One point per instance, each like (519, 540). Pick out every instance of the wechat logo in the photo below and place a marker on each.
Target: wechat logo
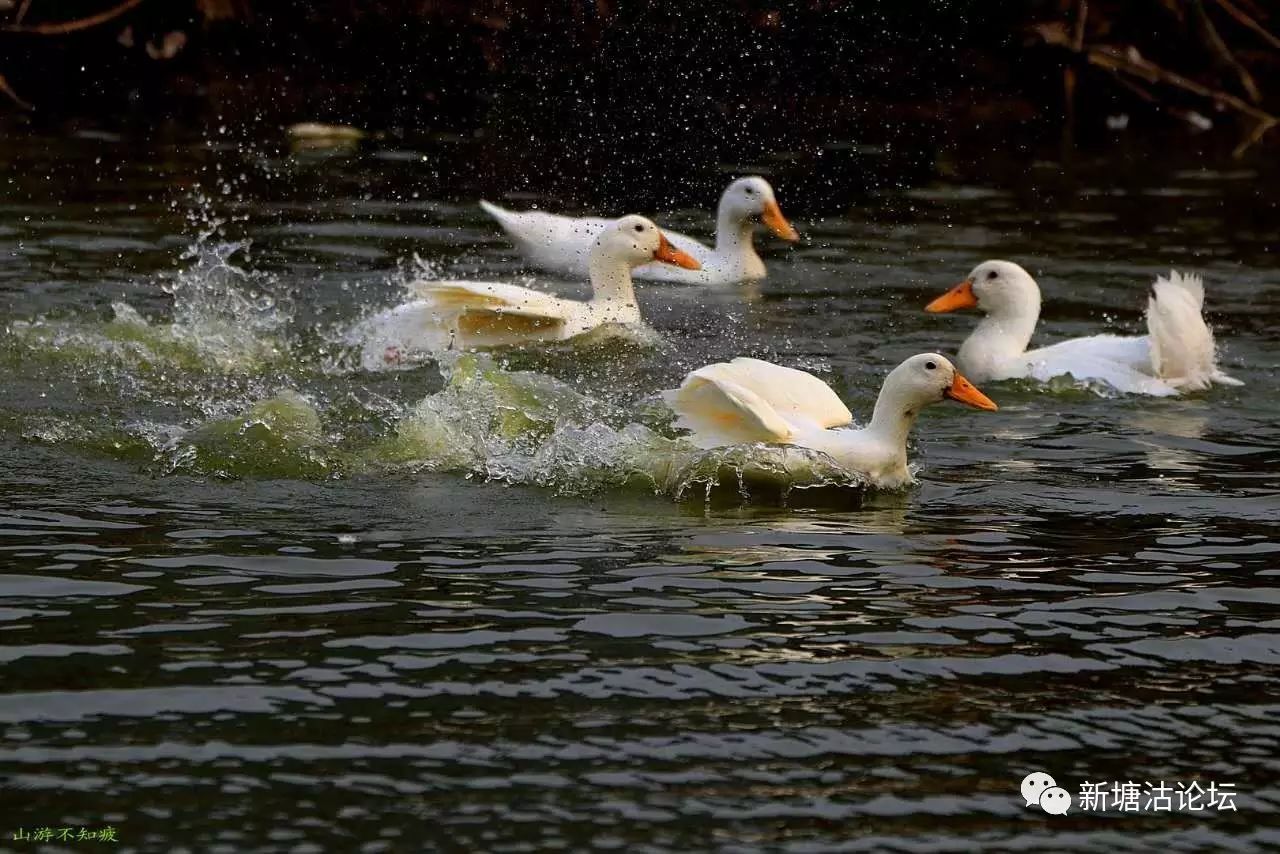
(1040, 789)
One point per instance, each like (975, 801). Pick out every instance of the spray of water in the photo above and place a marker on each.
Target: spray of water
(523, 427)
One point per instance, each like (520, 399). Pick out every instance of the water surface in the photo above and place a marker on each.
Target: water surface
(242, 609)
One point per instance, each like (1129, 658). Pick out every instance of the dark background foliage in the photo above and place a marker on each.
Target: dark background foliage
(588, 90)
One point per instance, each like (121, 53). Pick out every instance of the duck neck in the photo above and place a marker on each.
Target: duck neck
(734, 233)
(611, 283)
(893, 418)
(1004, 333)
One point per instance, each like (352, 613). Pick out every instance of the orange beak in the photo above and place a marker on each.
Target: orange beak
(961, 296)
(967, 393)
(772, 217)
(671, 255)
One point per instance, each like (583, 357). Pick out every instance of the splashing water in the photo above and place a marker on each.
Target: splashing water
(415, 269)
(215, 394)
(522, 427)
(280, 436)
(139, 385)
(224, 321)
(228, 314)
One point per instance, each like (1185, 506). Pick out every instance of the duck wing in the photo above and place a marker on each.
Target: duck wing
(796, 395)
(720, 412)
(749, 400)
(1120, 361)
(490, 314)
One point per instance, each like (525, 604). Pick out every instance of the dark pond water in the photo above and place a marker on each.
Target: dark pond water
(253, 598)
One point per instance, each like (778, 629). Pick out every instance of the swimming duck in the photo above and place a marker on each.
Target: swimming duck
(466, 315)
(563, 243)
(749, 400)
(1177, 354)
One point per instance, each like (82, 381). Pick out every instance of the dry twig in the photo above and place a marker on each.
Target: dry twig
(1222, 55)
(64, 27)
(1248, 22)
(1129, 62)
(6, 89)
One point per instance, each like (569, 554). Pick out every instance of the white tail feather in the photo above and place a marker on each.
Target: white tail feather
(1182, 349)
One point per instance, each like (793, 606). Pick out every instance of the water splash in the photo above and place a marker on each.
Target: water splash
(281, 436)
(412, 270)
(229, 314)
(129, 387)
(522, 427)
(225, 320)
(486, 420)
(410, 333)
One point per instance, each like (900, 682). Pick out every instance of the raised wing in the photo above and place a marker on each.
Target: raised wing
(721, 412)
(448, 296)
(1182, 348)
(490, 314)
(796, 395)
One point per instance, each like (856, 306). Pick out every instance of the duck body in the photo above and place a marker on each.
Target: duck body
(480, 315)
(563, 244)
(749, 400)
(1177, 355)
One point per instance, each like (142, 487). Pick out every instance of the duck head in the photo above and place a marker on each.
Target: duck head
(993, 287)
(751, 197)
(930, 378)
(636, 240)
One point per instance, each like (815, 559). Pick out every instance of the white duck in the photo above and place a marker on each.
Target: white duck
(563, 243)
(466, 315)
(747, 400)
(1176, 355)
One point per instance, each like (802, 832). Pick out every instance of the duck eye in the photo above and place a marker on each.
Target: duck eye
(639, 227)
(749, 191)
(991, 275)
(932, 366)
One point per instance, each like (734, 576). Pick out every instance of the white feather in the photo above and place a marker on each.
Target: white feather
(1177, 354)
(1182, 349)
(795, 395)
(719, 412)
(549, 240)
(748, 400)
(562, 243)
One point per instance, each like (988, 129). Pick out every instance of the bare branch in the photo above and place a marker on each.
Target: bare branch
(6, 89)
(76, 25)
(1121, 61)
(1259, 130)
(1248, 23)
(1222, 55)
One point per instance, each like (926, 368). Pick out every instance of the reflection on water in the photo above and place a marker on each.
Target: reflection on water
(255, 597)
